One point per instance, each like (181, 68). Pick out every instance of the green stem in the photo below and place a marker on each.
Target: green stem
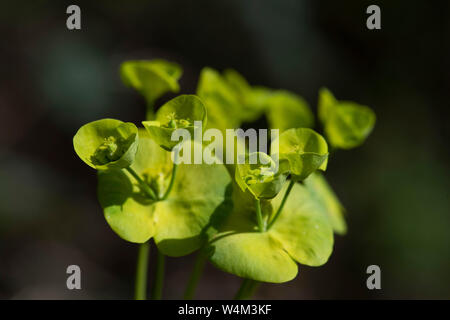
(140, 289)
(143, 184)
(246, 289)
(150, 114)
(195, 276)
(277, 214)
(241, 292)
(159, 277)
(172, 179)
(259, 215)
(251, 289)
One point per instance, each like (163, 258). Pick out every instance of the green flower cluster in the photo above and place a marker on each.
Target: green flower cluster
(255, 220)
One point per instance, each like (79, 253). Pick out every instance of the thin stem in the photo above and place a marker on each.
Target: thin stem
(251, 289)
(150, 114)
(277, 214)
(143, 184)
(240, 295)
(246, 289)
(140, 289)
(259, 215)
(172, 179)
(195, 276)
(159, 277)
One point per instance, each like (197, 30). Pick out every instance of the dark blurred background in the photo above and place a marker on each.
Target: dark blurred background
(395, 188)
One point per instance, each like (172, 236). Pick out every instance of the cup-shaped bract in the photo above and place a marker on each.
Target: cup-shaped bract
(152, 78)
(181, 112)
(107, 143)
(304, 149)
(263, 178)
(286, 110)
(346, 124)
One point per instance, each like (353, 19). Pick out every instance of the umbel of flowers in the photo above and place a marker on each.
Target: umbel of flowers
(257, 220)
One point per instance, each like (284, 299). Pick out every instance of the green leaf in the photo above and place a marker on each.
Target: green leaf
(220, 100)
(107, 143)
(327, 199)
(128, 212)
(229, 98)
(262, 178)
(179, 113)
(252, 100)
(304, 149)
(152, 78)
(346, 124)
(349, 125)
(303, 229)
(178, 223)
(327, 101)
(253, 255)
(199, 196)
(301, 234)
(256, 103)
(237, 82)
(287, 110)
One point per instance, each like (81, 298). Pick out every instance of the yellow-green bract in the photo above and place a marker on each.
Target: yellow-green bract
(325, 197)
(151, 78)
(301, 234)
(346, 124)
(304, 149)
(107, 143)
(263, 179)
(252, 99)
(179, 223)
(229, 99)
(179, 113)
(220, 100)
(287, 110)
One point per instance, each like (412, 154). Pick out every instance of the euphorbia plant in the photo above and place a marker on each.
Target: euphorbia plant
(152, 79)
(179, 113)
(141, 196)
(256, 220)
(289, 228)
